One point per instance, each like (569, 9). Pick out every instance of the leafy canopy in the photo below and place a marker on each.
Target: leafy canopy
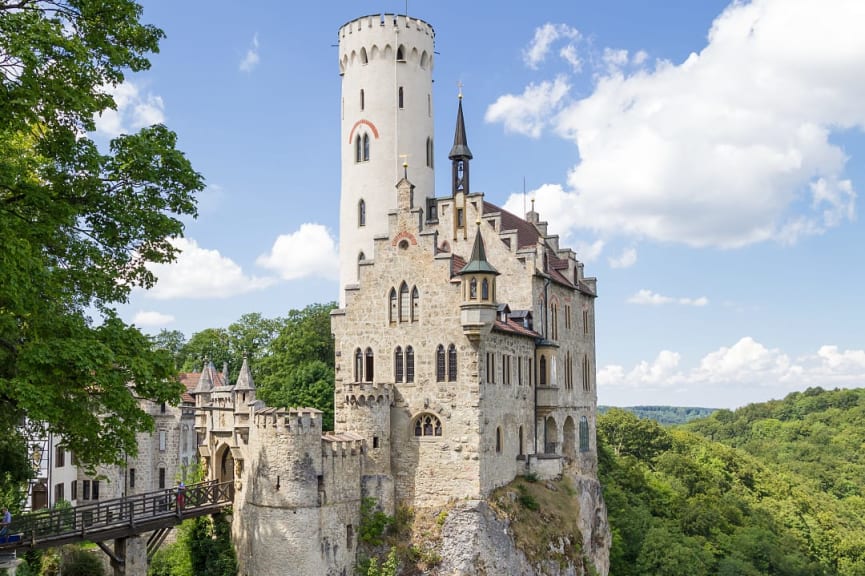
(79, 225)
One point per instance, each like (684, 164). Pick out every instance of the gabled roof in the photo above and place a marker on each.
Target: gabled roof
(513, 327)
(527, 234)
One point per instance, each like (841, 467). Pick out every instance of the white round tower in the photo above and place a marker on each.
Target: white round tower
(387, 119)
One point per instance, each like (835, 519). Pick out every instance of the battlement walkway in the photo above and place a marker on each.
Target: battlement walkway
(119, 518)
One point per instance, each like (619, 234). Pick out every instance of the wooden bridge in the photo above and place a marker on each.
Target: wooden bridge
(157, 512)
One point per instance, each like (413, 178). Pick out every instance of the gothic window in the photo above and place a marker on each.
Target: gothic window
(440, 363)
(554, 321)
(362, 99)
(358, 365)
(398, 364)
(358, 149)
(585, 321)
(361, 212)
(473, 289)
(452, 363)
(161, 479)
(587, 383)
(542, 368)
(368, 366)
(401, 98)
(363, 59)
(404, 310)
(427, 425)
(366, 147)
(584, 434)
(485, 289)
(529, 372)
(409, 364)
(415, 304)
(394, 314)
(400, 54)
(568, 366)
(567, 316)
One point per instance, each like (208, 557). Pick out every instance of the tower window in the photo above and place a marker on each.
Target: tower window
(361, 213)
(358, 149)
(409, 364)
(485, 289)
(473, 289)
(362, 100)
(369, 372)
(400, 54)
(542, 368)
(366, 147)
(429, 153)
(429, 105)
(398, 365)
(452, 363)
(584, 434)
(363, 57)
(432, 214)
(161, 479)
(498, 440)
(358, 365)
(440, 363)
(404, 303)
(393, 306)
(415, 304)
(460, 218)
(401, 98)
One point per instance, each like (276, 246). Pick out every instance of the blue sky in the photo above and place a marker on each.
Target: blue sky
(703, 158)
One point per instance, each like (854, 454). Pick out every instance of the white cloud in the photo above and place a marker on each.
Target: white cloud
(151, 318)
(250, 59)
(200, 273)
(654, 299)
(135, 110)
(529, 112)
(309, 252)
(625, 260)
(569, 55)
(730, 147)
(731, 376)
(545, 36)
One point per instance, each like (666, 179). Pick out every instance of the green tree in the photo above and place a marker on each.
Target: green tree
(299, 367)
(78, 225)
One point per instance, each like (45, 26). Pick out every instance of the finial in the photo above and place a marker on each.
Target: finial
(460, 86)
(404, 164)
(478, 222)
(533, 204)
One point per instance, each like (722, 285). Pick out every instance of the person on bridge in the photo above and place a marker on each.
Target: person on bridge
(181, 495)
(7, 519)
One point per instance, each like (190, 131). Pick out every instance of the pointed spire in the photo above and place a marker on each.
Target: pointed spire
(244, 379)
(478, 261)
(460, 149)
(205, 381)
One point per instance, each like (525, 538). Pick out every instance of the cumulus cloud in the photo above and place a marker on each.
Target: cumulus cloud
(745, 372)
(150, 318)
(309, 252)
(654, 299)
(545, 36)
(529, 112)
(730, 147)
(624, 260)
(199, 273)
(135, 109)
(250, 59)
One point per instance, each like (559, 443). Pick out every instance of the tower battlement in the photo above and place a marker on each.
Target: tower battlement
(292, 420)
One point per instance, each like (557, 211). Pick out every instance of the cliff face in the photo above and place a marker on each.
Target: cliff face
(555, 528)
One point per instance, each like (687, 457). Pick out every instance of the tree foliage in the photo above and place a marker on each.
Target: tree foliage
(78, 225)
(781, 493)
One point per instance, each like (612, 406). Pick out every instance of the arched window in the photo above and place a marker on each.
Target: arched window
(473, 289)
(398, 364)
(452, 363)
(362, 99)
(358, 365)
(409, 364)
(440, 363)
(554, 321)
(498, 440)
(584, 434)
(401, 97)
(393, 315)
(415, 304)
(542, 368)
(358, 149)
(366, 147)
(363, 60)
(427, 425)
(404, 303)
(400, 54)
(429, 153)
(587, 375)
(360, 258)
(369, 371)
(361, 212)
(485, 289)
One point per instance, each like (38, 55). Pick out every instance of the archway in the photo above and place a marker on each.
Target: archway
(224, 465)
(551, 436)
(569, 439)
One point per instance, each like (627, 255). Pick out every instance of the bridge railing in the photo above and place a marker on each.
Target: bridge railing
(128, 511)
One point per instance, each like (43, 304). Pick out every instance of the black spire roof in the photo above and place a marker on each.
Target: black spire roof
(461, 147)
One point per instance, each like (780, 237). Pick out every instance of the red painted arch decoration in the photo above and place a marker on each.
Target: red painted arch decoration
(365, 123)
(404, 235)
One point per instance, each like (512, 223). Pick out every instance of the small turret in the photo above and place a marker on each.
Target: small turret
(244, 389)
(478, 310)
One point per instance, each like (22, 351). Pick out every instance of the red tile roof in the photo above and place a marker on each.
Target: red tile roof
(513, 327)
(190, 381)
(527, 234)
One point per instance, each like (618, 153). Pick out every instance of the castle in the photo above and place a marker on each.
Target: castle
(465, 342)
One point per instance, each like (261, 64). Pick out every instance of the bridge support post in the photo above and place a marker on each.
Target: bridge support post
(129, 556)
